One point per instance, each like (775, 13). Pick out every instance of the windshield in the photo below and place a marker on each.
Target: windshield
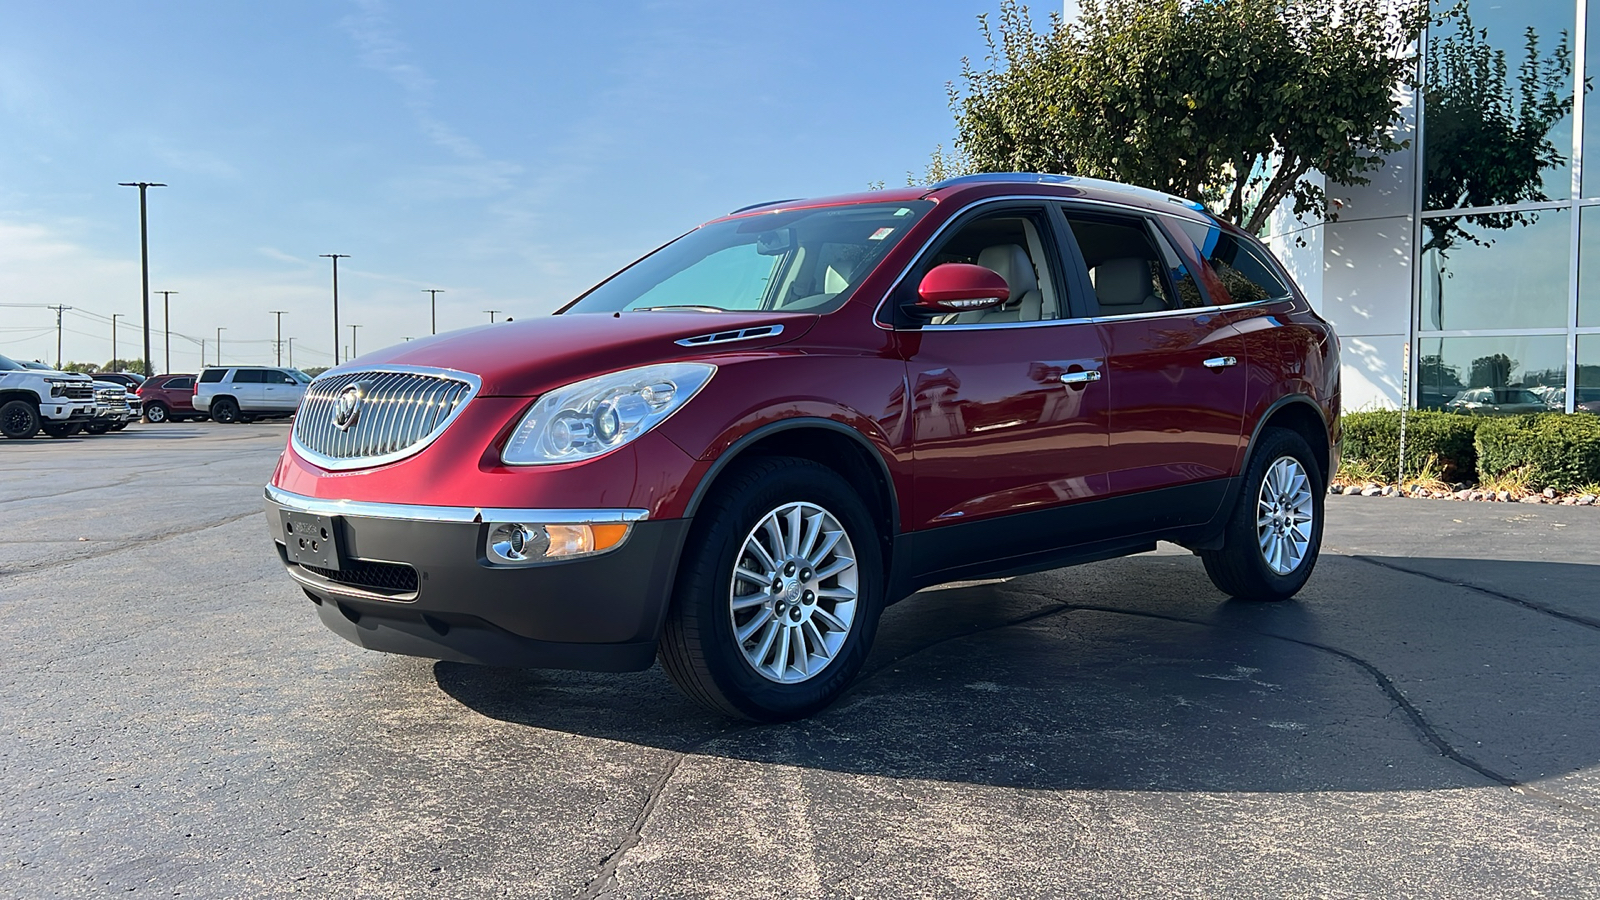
(7, 364)
(803, 260)
(299, 376)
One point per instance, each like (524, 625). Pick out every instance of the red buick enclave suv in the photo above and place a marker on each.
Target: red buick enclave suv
(737, 451)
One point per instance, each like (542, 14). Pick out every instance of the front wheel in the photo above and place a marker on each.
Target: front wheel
(98, 427)
(778, 592)
(61, 429)
(1274, 535)
(19, 419)
(225, 410)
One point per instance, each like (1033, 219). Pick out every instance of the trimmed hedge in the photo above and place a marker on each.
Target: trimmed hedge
(1553, 450)
(1373, 438)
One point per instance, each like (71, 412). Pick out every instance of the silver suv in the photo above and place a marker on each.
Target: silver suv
(245, 393)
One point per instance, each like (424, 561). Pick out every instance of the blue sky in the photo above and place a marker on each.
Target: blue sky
(509, 153)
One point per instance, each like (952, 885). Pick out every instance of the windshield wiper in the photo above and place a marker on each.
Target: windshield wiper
(679, 306)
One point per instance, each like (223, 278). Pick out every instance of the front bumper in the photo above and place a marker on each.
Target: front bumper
(55, 409)
(415, 580)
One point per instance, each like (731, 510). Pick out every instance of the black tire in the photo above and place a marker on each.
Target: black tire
(698, 648)
(98, 427)
(19, 420)
(157, 413)
(61, 429)
(1240, 568)
(225, 410)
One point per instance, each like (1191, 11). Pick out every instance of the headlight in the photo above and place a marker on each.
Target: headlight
(588, 418)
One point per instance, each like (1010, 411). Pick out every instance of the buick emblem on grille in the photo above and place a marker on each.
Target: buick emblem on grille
(347, 409)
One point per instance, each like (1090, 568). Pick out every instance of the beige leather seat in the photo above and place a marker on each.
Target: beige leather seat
(1026, 303)
(1124, 286)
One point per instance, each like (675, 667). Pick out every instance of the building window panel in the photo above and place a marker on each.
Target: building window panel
(1492, 375)
(1502, 270)
(1588, 398)
(1589, 266)
(1497, 112)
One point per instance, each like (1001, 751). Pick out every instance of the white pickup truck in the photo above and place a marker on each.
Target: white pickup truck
(57, 403)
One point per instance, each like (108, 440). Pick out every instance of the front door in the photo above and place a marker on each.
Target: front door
(1007, 406)
(1177, 369)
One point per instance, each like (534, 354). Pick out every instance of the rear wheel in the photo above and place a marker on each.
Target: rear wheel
(225, 410)
(156, 413)
(778, 593)
(1273, 538)
(98, 427)
(19, 420)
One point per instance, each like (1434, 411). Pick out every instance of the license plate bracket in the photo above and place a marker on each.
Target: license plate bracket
(310, 539)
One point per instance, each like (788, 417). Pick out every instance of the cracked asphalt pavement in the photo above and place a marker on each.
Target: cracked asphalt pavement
(1423, 721)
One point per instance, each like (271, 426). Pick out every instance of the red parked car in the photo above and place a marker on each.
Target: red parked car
(169, 398)
(736, 451)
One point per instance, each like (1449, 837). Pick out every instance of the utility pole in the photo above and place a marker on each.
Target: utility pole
(335, 257)
(291, 353)
(353, 340)
(144, 263)
(491, 313)
(278, 344)
(166, 324)
(220, 329)
(202, 353)
(59, 310)
(433, 297)
(114, 318)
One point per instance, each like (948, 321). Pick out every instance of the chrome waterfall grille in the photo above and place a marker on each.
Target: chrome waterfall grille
(352, 420)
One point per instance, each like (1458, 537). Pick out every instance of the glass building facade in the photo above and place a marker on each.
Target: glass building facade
(1477, 249)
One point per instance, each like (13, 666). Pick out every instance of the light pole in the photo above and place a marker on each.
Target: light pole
(433, 298)
(335, 257)
(114, 318)
(291, 353)
(278, 344)
(491, 313)
(144, 263)
(166, 325)
(353, 340)
(59, 310)
(220, 329)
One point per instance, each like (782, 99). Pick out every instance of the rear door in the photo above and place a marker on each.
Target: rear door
(247, 389)
(1176, 368)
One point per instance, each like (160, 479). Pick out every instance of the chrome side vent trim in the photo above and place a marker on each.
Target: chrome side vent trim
(728, 337)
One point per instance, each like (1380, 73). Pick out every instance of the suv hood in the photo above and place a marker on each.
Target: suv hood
(526, 358)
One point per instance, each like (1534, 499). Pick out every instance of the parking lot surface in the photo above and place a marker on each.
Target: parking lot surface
(1423, 721)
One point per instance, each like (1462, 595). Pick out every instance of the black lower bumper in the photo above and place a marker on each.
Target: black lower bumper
(424, 588)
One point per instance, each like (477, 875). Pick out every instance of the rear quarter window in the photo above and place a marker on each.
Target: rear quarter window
(179, 384)
(1243, 267)
(247, 376)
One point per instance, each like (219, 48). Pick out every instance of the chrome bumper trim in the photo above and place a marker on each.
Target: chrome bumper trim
(467, 515)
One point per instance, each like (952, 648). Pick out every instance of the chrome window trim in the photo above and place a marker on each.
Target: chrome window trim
(456, 515)
(1038, 198)
(474, 385)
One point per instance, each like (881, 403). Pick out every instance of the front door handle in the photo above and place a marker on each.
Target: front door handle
(1220, 362)
(1081, 377)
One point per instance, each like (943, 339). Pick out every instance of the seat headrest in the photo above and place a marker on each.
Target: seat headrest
(1124, 281)
(1012, 263)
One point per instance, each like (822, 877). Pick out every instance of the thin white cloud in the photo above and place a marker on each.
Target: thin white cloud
(382, 50)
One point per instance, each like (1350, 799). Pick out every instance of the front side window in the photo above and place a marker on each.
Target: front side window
(800, 260)
(272, 376)
(1010, 243)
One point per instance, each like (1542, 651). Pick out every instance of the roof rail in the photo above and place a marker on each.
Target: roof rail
(759, 205)
(1074, 180)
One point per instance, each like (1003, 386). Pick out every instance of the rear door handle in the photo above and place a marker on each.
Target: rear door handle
(1220, 362)
(1081, 377)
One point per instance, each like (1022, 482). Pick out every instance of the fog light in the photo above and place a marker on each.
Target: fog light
(518, 543)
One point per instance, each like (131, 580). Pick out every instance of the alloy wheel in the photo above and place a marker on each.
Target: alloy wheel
(793, 595)
(1284, 514)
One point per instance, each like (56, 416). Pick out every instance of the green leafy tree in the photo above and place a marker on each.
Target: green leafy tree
(85, 368)
(1489, 141)
(124, 365)
(1493, 371)
(1230, 102)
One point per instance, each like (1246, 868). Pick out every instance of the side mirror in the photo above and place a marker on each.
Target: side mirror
(961, 287)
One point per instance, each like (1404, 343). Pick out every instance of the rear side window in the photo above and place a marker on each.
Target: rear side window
(212, 376)
(179, 384)
(248, 376)
(1241, 265)
(1127, 268)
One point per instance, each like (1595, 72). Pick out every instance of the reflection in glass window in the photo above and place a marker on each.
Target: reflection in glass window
(1588, 399)
(1498, 105)
(1492, 376)
(1589, 265)
(1242, 268)
(1510, 278)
